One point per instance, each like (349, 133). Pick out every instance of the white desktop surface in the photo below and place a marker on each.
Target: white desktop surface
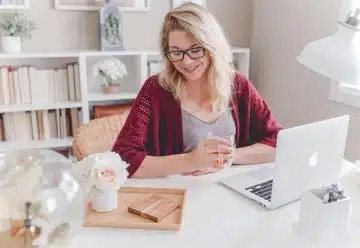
(215, 216)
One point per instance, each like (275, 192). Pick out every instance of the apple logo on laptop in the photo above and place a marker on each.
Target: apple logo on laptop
(313, 160)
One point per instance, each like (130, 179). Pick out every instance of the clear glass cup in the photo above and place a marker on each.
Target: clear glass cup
(231, 139)
(225, 164)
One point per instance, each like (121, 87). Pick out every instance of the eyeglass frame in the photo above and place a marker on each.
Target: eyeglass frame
(185, 52)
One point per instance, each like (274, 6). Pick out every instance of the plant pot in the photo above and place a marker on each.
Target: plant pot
(332, 219)
(112, 89)
(11, 44)
(105, 200)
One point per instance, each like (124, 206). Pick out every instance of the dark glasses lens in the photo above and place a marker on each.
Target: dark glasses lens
(193, 53)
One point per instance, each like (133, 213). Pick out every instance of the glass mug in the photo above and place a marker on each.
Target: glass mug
(221, 164)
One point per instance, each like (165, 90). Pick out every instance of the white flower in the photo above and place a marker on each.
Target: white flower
(102, 170)
(17, 24)
(111, 69)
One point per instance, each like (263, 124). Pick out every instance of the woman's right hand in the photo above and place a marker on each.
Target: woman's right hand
(212, 152)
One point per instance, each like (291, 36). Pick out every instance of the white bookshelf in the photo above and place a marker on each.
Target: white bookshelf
(137, 62)
(38, 106)
(50, 143)
(98, 96)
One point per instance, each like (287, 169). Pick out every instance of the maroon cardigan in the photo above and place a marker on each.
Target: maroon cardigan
(154, 124)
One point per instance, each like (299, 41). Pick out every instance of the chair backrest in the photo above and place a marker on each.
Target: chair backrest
(98, 135)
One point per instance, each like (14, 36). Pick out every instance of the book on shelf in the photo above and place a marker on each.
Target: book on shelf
(27, 84)
(39, 124)
(154, 67)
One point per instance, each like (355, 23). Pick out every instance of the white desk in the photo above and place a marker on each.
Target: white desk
(217, 217)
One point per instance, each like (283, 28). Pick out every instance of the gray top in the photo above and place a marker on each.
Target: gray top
(195, 129)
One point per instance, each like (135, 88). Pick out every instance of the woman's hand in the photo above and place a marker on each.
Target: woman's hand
(212, 152)
(201, 172)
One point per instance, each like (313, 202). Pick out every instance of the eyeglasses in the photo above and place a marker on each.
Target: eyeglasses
(193, 53)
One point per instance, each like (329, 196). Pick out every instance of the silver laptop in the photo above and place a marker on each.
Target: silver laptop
(307, 156)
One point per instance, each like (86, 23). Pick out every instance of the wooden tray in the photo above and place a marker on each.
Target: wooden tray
(10, 242)
(121, 218)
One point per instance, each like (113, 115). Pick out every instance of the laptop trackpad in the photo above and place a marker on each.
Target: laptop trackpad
(262, 173)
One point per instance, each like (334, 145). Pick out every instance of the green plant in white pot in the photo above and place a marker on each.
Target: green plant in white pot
(14, 27)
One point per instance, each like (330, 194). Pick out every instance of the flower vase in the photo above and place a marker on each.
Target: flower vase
(111, 89)
(11, 44)
(105, 200)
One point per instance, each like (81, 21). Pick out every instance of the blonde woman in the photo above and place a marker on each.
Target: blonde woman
(198, 93)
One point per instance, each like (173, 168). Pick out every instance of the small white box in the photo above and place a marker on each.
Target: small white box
(323, 222)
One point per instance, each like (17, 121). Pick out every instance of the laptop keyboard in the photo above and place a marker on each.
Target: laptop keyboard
(262, 190)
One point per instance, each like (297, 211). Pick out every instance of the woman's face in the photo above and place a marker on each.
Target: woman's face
(188, 57)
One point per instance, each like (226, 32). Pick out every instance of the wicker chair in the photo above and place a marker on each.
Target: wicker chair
(98, 135)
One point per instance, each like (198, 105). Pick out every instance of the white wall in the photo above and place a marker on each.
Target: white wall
(281, 28)
(74, 30)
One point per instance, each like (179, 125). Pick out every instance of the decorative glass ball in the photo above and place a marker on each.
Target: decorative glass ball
(41, 202)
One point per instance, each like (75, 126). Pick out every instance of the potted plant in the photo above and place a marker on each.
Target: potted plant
(110, 70)
(15, 26)
(102, 174)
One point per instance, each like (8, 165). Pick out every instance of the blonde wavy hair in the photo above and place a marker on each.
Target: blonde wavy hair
(205, 29)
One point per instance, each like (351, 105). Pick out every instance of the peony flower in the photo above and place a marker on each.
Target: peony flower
(102, 171)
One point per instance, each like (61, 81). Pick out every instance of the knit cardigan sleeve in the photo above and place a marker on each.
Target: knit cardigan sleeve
(263, 126)
(133, 137)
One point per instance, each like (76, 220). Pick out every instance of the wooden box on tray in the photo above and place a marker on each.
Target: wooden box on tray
(142, 208)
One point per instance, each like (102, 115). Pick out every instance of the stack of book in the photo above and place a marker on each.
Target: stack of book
(27, 84)
(39, 124)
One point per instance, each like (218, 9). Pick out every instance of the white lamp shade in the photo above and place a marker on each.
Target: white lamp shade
(336, 57)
